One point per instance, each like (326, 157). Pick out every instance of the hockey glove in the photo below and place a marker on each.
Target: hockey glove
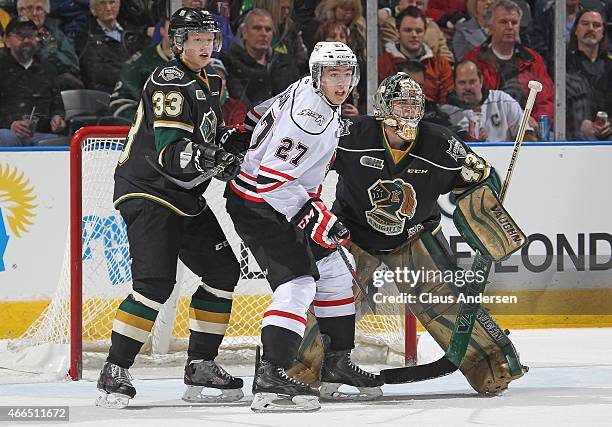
(235, 139)
(210, 156)
(320, 224)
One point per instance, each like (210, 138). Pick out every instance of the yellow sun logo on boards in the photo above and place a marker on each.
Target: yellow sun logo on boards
(16, 200)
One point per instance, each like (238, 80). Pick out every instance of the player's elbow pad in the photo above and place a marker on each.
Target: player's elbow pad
(187, 157)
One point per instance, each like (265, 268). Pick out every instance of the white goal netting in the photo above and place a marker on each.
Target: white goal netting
(107, 280)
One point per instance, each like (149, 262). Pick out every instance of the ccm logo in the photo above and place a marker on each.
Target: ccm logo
(306, 219)
(221, 245)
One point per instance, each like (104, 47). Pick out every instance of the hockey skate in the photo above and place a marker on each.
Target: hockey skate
(275, 391)
(115, 387)
(339, 369)
(201, 374)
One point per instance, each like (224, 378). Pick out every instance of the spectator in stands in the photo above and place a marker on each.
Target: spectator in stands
(434, 38)
(472, 33)
(587, 61)
(350, 13)
(500, 114)
(135, 72)
(233, 111)
(438, 9)
(255, 71)
(411, 24)
(542, 32)
(101, 49)
(509, 65)
(54, 47)
(28, 88)
(5, 17)
(287, 36)
(73, 16)
(433, 113)
(602, 101)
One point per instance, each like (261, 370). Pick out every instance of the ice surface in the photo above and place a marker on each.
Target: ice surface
(570, 383)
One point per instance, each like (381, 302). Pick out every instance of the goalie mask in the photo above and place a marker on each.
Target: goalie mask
(332, 54)
(186, 20)
(399, 100)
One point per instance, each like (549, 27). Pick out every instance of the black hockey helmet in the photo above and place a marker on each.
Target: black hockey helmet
(187, 19)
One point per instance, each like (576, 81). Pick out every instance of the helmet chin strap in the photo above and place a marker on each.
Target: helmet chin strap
(403, 130)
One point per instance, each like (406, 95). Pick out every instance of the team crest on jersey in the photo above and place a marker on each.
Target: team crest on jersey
(171, 73)
(455, 149)
(344, 128)
(208, 126)
(318, 118)
(393, 202)
(372, 162)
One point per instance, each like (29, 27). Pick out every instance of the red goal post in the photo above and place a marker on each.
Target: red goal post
(93, 152)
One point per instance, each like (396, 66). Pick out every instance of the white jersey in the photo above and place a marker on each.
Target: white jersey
(501, 116)
(291, 149)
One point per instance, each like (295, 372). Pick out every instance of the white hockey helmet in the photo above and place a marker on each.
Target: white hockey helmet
(332, 54)
(401, 91)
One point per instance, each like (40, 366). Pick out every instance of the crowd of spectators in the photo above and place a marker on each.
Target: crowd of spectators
(473, 58)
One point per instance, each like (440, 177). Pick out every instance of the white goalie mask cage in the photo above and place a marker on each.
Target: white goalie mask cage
(400, 88)
(332, 54)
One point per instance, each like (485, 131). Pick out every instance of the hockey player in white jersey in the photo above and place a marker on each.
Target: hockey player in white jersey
(275, 206)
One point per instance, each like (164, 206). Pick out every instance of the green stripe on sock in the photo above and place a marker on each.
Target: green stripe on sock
(221, 306)
(130, 306)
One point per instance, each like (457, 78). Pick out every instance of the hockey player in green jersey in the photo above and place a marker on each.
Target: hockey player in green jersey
(175, 140)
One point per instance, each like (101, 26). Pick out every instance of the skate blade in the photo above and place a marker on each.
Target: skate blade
(329, 391)
(112, 400)
(273, 402)
(194, 394)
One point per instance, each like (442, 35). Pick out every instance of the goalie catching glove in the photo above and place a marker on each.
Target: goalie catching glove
(320, 224)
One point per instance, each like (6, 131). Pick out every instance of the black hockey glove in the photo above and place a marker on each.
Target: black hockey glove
(320, 224)
(234, 139)
(210, 156)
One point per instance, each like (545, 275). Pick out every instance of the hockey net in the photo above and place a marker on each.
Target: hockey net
(96, 277)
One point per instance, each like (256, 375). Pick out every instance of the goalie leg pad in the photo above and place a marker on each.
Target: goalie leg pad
(491, 361)
(486, 225)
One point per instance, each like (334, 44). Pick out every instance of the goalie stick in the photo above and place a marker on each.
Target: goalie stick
(466, 317)
(188, 185)
(351, 270)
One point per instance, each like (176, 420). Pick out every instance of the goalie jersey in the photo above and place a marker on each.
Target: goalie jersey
(291, 150)
(175, 103)
(387, 196)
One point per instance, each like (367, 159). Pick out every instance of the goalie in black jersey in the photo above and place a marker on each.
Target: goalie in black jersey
(392, 168)
(172, 147)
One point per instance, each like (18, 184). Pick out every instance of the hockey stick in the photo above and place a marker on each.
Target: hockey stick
(351, 270)
(466, 317)
(188, 185)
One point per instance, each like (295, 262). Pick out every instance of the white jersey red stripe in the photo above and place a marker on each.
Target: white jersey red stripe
(291, 147)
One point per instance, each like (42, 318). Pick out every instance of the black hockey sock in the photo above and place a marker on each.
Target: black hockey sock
(203, 346)
(280, 345)
(341, 331)
(123, 350)
(208, 319)
(133, 323)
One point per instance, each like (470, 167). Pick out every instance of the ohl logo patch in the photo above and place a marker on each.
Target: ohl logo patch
(16, 207)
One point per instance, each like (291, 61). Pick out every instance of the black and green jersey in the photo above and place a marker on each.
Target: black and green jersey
(385, 196)
(134, 73)
(175, 103)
